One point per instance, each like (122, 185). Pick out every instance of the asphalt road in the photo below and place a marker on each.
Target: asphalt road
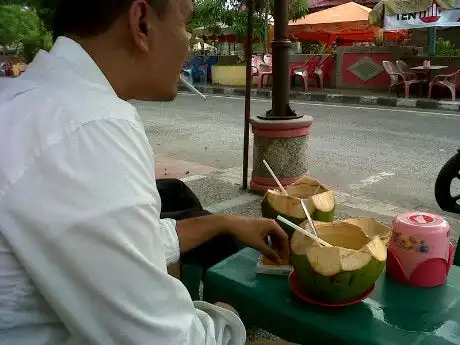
(387, 154)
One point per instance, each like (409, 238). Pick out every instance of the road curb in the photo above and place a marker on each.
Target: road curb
(337, 98)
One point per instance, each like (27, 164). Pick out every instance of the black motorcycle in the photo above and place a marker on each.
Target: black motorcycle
(448, 200)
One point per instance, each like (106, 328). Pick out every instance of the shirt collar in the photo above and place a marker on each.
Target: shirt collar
(71, 52)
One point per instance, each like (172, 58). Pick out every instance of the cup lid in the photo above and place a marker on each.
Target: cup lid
(420, 219)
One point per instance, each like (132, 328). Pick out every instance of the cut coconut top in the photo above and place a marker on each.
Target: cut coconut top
(338, 234)
(291, 205)
(306, 187)
(324, 202)
(372, 228)
(352, 249)
(288, 205)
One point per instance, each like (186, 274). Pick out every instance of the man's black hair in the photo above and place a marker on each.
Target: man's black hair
(86, 18)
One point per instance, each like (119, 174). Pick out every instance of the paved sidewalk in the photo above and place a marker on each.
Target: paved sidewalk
(356, 97)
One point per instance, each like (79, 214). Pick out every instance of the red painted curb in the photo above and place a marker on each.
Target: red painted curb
(258, 188)
(262, 184)
(281, 132)
(290, 128)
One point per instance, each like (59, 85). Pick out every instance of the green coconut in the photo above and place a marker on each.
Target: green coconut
(343, 271)
(318, 198)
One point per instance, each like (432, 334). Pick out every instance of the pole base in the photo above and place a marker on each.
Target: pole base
(262, 184)
(288, 115)
(284, 145)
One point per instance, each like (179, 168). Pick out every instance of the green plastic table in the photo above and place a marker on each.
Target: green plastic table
(393, 315)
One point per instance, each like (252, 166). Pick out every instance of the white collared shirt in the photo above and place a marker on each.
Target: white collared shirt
(83, 251)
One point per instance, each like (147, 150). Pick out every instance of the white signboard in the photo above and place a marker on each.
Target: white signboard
(435, 16)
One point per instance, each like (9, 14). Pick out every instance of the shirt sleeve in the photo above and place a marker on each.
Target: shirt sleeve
(170, 240)
(87, 230)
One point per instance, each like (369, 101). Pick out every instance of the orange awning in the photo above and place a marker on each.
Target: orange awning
(349, 21)
(351, 13)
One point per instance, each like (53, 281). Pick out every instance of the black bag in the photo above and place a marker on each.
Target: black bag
(178, 201)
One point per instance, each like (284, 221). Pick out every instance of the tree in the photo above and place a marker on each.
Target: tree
(297, 8)
(10, 22)
(45, 11)
(43, 8)
(21, 31)
(210, 13)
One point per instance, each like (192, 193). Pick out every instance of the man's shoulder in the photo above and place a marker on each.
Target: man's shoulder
(50, 111)
(35, 117)
(79, 104)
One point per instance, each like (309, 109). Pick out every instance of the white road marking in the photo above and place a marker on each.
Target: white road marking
(415, 112)
(371, 180)
(373, 206)
(341, 197)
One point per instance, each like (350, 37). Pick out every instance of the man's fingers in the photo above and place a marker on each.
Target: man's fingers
(280, 239)
(281, 248)
(277, 231)
(270, 253)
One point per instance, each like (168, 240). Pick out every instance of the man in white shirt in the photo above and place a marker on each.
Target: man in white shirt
(83, 251)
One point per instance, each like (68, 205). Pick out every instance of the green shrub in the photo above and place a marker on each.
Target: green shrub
(446, 48)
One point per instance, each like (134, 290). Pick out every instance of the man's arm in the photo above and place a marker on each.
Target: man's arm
(185, 235)
(195, 231)
(84, 222)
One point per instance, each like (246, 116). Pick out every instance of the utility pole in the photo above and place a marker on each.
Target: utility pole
(280, 135)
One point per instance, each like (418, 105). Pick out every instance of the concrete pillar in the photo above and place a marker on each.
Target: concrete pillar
(284, 145)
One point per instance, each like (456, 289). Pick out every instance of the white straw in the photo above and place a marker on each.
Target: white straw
(191, 87)
(312, 225)
(303, 231)
(275, 178)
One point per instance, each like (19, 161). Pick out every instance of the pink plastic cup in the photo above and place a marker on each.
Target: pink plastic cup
(420, 252)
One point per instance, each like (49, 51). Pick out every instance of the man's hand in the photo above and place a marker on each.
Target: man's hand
(254, 232)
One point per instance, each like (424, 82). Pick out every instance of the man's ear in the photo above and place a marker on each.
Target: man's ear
(140, 17)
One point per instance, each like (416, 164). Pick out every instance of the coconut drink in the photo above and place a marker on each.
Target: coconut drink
(319, 199)
(344, 271)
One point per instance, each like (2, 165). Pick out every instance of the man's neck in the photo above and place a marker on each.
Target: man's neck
(112, 62)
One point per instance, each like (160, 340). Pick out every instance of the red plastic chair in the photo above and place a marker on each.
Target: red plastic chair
(258, 68)
(404, 68)
(257, 61)
(398, 78)
(268, 62)
(268, 59)
(323, 68)
(306, 71)
(446, 80)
